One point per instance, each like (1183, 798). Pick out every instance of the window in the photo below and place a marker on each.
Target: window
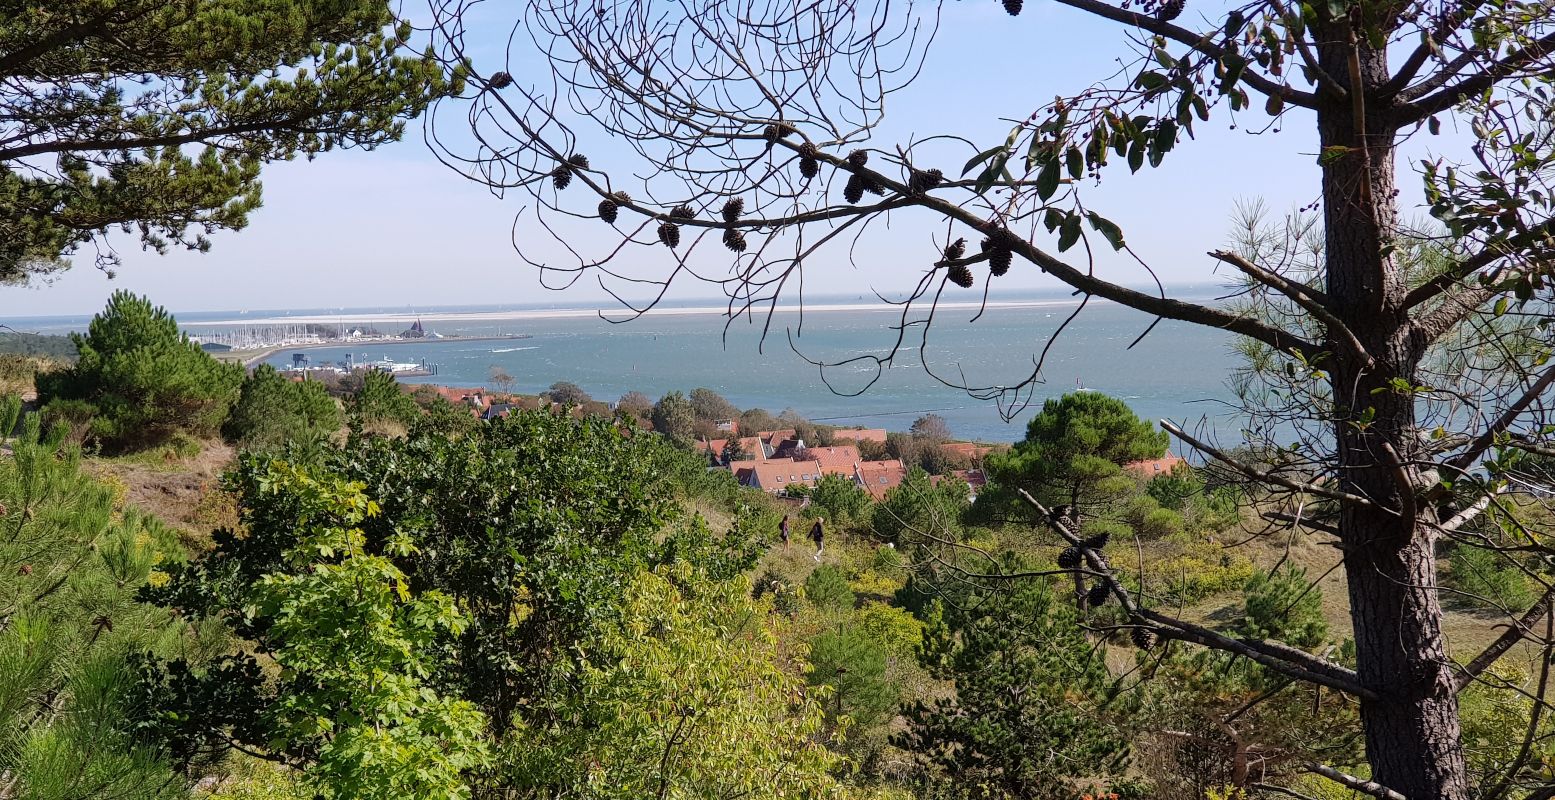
(780, 478)
(882, 480)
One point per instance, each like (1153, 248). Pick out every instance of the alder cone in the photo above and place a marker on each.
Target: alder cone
(1098, 541)
(1013, 7)
(733, 209)
(669, 234)
(921, 182)
(682, 211)
(1069, 558)
(854, 191)
(1097, 596)
(608, 210)
(809, 167)
(578, 160)
(999, 260)
(961, 276)
(500, 80)
(734, 240)
(858, 158)
(1143, 638)
(561, 177)
(956, 250)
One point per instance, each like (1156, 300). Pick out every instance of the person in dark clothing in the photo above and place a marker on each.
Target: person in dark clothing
(818, 533)
(783, 531)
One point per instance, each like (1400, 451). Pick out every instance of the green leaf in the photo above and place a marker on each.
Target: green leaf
(1076, 163)
(1501, 306)
(1047, 180)
(1068, 233)
(981, 157)
(1151, 81)
(1106, 228)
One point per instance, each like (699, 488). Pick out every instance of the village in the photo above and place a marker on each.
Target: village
(783, 462)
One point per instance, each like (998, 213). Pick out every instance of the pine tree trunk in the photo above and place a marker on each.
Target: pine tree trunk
(1413, 740)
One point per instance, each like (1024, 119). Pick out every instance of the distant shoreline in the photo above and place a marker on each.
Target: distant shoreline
(573, 313)
(252, 358)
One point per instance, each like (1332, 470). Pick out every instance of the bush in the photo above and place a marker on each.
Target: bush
(1488, 578)
(839, 499)
(146, 380)
(853, 665)
(1283, 605)
(828, 589)
(894, 629)
(380, 400)
(272, 410)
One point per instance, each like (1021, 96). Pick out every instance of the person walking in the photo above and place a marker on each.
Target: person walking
(818, 533)
(783, 531)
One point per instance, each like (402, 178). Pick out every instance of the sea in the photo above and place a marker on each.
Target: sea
(842, 361)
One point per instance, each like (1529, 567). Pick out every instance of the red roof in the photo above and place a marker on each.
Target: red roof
(860, 434)
(775, 475)
(776, 438)
(879, 477)
(1152, 467)
(971, 450)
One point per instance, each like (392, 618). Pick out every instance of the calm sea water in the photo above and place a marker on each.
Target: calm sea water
(1179, 371)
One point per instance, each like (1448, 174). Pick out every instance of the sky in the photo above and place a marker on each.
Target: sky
(395, 228)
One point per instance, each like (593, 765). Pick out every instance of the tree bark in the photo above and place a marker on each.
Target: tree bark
(1412, 730)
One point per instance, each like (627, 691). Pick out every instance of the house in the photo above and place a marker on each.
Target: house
(835, 460)
(775, 475)
(879, 477)
(714, 449)
(1150, 468)
(496, 410)
(730, 426)
(971, 451)
(860, 434)
(786, 448)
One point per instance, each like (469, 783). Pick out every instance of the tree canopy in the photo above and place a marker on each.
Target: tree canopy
(154, 118)
(142, 379)
(1387, 389)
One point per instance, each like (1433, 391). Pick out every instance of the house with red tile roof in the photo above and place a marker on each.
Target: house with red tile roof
(860, 434)
(971, 451)
(776, 475)
(879, 477)
(835, 460)
(1150, 468)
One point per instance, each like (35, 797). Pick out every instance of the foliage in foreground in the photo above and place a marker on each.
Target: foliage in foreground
(536, 573)
(70, 628)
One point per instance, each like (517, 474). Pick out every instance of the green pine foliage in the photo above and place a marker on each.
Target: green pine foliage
(1284, 605)
(381, 400)
(675, 418)
(146, 383)
(272, 410)
(156, 117)
(1073, 455)
(917, 507)
(840, 500)
(827, 588)
(1487, 578)
(852, 665)
(1029, 712)
(71, 627)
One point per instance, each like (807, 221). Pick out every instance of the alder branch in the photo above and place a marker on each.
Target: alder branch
(1282, 658)
(1199, 42)
(1485, 440)
(1362, 785)
(1414, 110)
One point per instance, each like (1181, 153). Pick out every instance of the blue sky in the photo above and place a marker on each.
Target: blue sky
(396, 228)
